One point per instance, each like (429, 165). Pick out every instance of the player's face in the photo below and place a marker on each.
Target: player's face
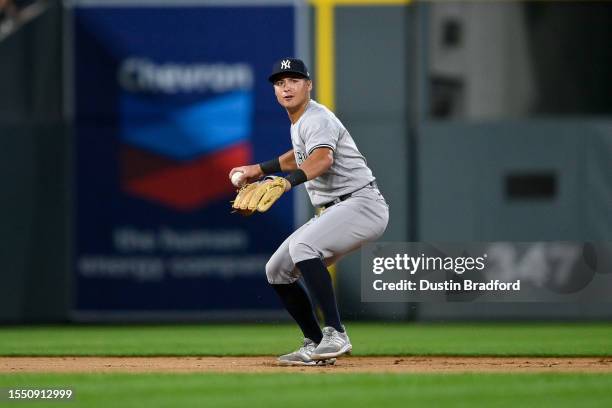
(292, 92)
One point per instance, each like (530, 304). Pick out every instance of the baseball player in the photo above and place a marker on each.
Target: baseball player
(326, 160)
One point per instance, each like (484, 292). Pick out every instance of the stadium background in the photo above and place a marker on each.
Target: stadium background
(482, 121)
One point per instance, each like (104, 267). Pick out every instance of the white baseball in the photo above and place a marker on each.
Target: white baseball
(237, 178)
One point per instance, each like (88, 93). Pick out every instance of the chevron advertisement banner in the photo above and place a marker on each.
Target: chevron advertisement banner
(166, 101)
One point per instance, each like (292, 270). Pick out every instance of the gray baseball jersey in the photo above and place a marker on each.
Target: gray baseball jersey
(319, 127)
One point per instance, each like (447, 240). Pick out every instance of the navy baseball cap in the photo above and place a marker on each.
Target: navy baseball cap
(289, 65)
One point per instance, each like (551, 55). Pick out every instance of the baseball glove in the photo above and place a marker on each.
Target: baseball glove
(258, 196)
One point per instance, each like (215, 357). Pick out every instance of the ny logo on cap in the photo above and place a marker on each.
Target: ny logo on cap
(285, 64)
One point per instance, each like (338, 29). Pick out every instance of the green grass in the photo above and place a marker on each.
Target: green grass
(507, 339)
(341, 390)
(293, 389)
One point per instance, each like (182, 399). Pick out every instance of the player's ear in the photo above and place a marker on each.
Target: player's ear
(310, 84)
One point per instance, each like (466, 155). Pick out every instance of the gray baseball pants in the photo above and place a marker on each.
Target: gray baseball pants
(339, 230)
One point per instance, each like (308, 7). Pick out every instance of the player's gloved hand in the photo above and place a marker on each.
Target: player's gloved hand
(260, 196)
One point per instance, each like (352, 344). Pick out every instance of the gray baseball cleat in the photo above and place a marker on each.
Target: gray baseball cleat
(334, 344)
(301, 357)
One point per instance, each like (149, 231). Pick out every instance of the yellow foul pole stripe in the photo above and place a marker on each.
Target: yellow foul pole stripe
(325, 54)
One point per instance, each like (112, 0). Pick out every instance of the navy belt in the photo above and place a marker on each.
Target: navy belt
(344, 197)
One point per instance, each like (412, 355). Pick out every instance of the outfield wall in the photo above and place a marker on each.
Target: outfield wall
(444, 180)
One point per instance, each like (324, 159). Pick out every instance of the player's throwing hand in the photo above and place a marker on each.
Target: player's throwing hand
(250, 173)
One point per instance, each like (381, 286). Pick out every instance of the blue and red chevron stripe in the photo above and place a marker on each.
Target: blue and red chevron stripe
(180, 156)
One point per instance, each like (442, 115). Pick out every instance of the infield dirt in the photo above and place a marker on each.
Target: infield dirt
(437, 364)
